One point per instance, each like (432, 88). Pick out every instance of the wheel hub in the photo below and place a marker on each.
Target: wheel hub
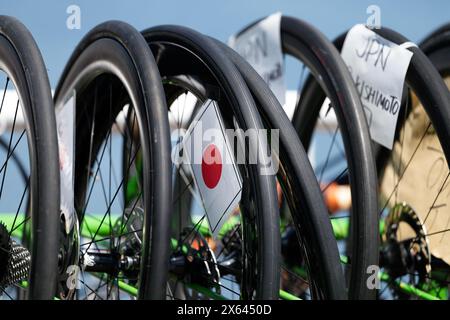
(405, 249)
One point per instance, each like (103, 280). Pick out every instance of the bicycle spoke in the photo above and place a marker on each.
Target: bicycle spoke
(406, 167)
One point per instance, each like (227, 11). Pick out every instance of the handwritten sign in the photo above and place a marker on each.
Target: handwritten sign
(378, 67)
(260, 45)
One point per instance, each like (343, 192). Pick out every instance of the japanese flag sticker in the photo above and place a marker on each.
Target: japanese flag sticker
(207, 151)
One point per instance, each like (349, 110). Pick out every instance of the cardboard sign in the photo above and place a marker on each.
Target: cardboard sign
(213, 167)
(260, 45)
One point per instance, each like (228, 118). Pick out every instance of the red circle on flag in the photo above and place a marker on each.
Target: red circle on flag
(211, 166)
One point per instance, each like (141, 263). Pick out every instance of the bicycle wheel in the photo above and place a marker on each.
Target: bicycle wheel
(347, 154)
(301, 192)
(242, 260)
(29, 192)
(118, 93)
(427, 116)
(406, 197)
(433, 281)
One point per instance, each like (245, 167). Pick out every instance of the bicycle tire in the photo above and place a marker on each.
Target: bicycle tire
(436, 46)
(424, 80)
(22, 62)
(120, 50)
(244, 109)
(309, 45)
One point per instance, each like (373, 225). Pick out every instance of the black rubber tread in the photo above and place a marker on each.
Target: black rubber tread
(243, 107)
(437, 48)
(23, 62)
(436, 40)
(124, 47)
(309, 45)
(309, 212)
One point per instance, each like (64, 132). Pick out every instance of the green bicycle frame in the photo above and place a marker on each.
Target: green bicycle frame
(340, 228)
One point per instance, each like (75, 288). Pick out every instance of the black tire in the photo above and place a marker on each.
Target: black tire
(425, 81)
(301, 189)
(128, 69)
(307, 44)
(21, 60)
(174, 46)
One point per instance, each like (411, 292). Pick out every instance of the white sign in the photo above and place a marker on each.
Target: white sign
(260, 45)
(378, 67)
(216, 174)
(65, 121)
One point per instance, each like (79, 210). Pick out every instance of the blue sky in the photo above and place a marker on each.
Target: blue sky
(47, 18)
